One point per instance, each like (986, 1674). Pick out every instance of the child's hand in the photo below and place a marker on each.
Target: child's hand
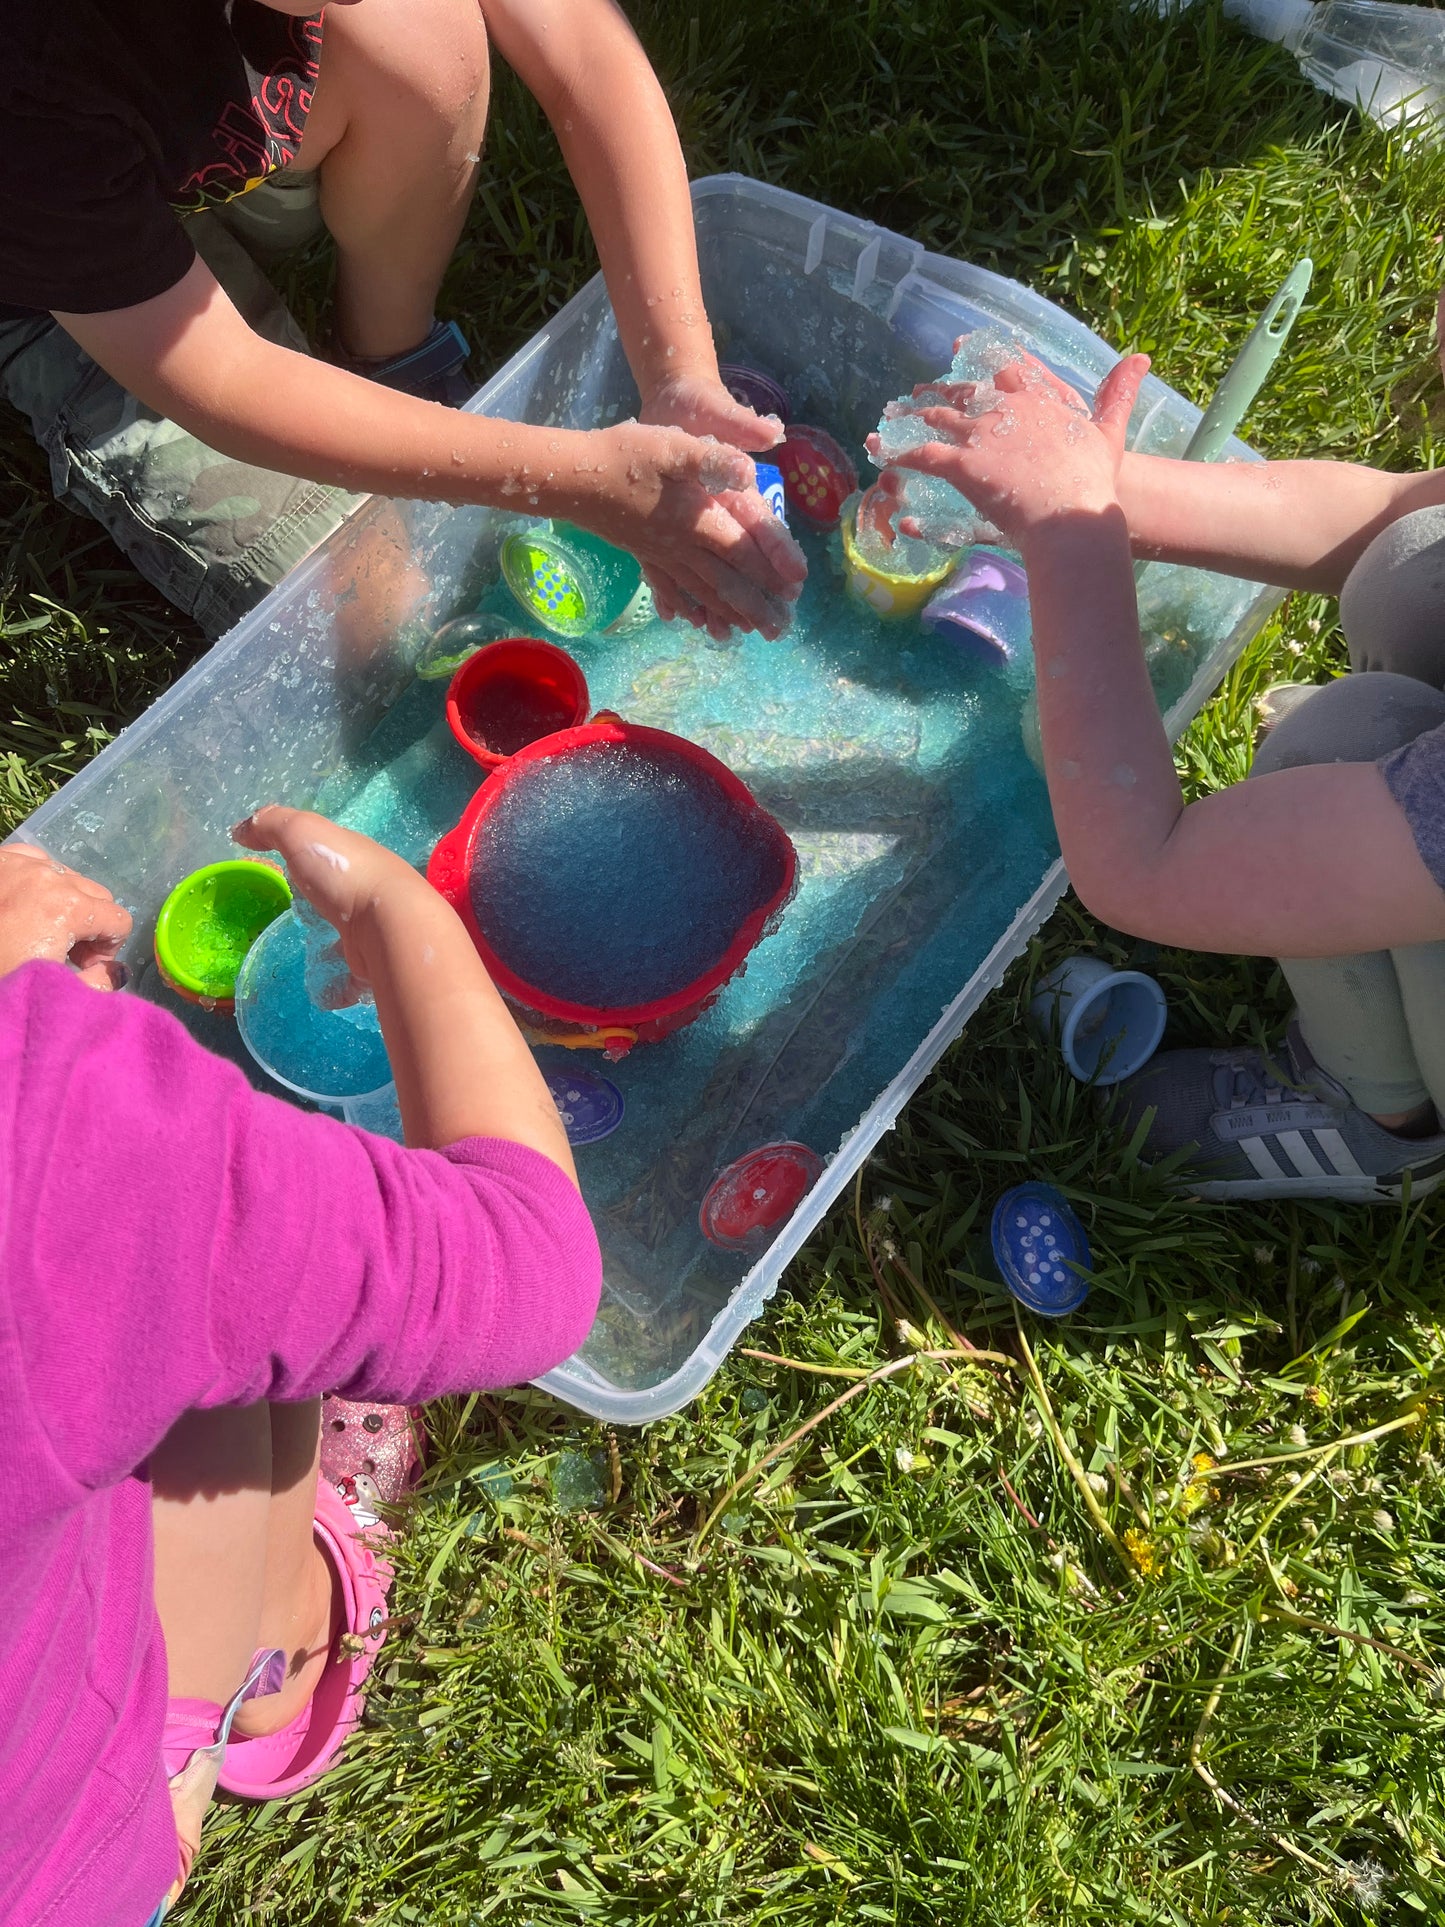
(342, 875)
(1038, 454)
(702, 405)
(51, 912)
(691, 514)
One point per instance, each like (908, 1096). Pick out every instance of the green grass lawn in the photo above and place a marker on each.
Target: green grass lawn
(988, 1643)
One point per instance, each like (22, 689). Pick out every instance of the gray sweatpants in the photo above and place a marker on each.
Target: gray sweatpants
(212, 534)
(1376, 1022)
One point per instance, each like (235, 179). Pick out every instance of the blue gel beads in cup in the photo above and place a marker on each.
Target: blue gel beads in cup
(1041, 1249)
(612, 878)
(326, 1055)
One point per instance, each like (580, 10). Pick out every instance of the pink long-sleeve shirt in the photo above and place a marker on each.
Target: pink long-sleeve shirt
(170, 1239)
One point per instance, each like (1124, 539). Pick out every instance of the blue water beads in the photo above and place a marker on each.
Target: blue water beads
(326, 1055)
(612, 877)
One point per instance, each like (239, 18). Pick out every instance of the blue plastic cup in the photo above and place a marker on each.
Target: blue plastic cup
(1107, 1022)
(1041, 1249)
(327, 1055)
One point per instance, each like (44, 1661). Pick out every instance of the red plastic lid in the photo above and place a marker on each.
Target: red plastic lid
(818, 475)
(758, 1193)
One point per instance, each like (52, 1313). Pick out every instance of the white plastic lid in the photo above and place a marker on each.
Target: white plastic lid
(1287, 21)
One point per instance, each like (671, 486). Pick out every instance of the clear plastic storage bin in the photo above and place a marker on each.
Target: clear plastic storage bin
(895, 761)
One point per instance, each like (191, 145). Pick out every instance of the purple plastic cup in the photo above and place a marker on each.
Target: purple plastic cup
(755, 390)
(984, 606)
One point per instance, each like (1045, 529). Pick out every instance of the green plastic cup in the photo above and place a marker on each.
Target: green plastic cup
(209, 922)
(568, 579)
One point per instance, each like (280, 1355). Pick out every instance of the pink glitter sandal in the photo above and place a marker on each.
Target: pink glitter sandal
(279, 1764)
(372, 1454)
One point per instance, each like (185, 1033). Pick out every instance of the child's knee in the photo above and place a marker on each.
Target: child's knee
(1391, 602)
(428, 56)
(1355, 719)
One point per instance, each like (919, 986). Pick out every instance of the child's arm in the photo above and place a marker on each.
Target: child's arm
(189, 354)
(461, 1066)
(583, 62)
(1302, 525)
(1303, 862)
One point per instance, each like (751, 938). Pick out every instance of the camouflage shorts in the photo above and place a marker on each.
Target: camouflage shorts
(212, 534)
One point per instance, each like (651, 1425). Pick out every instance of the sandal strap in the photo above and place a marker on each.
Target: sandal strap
(204, 1726)
(443, 351)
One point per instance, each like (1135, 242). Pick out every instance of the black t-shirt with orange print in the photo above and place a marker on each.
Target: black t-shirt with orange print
(119, 116)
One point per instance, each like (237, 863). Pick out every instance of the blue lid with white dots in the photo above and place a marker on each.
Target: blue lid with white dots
(1041, 1249)
(589, 1105)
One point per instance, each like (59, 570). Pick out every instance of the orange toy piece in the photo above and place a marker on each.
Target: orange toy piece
(818, 476)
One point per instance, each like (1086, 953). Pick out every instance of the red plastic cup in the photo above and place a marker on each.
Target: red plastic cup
(512, 693)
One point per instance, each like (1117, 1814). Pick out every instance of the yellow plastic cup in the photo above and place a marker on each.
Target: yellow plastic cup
(890, 596)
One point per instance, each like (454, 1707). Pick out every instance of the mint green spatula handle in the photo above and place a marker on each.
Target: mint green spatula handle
(1250, 368)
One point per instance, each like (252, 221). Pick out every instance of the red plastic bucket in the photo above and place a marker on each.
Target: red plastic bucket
(512, 693)
(614, 1029)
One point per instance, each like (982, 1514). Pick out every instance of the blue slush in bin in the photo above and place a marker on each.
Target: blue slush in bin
(926, 851)
(326, 1055)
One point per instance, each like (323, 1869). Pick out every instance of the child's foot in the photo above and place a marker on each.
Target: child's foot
(372, 1454)
(1272, 705)
(274, 1765)
(318, 1625)
(1261, 1128)
(435, 370)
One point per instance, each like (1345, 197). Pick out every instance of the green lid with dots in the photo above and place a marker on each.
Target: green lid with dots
(569, 580)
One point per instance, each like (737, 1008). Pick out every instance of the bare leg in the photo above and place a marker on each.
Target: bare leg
(1373, 1022)
(237, 1566)
(396, 129)
(297, 1602)
(210, 1513)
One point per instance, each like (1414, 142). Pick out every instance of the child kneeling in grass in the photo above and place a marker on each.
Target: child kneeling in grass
(185, 1266)
(1330, 858)
(163, 149)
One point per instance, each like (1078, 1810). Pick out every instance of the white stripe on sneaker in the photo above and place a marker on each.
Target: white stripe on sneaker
(1255, 1149)
(1338, 1153)
(1293, 1145)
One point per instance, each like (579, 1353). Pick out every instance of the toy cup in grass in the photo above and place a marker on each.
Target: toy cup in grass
(613, 878)
(1108, 1023)
(512, 693)
(209, 922)
(1041, 1249)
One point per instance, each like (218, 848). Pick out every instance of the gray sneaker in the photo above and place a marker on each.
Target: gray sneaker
(1267, 1129)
